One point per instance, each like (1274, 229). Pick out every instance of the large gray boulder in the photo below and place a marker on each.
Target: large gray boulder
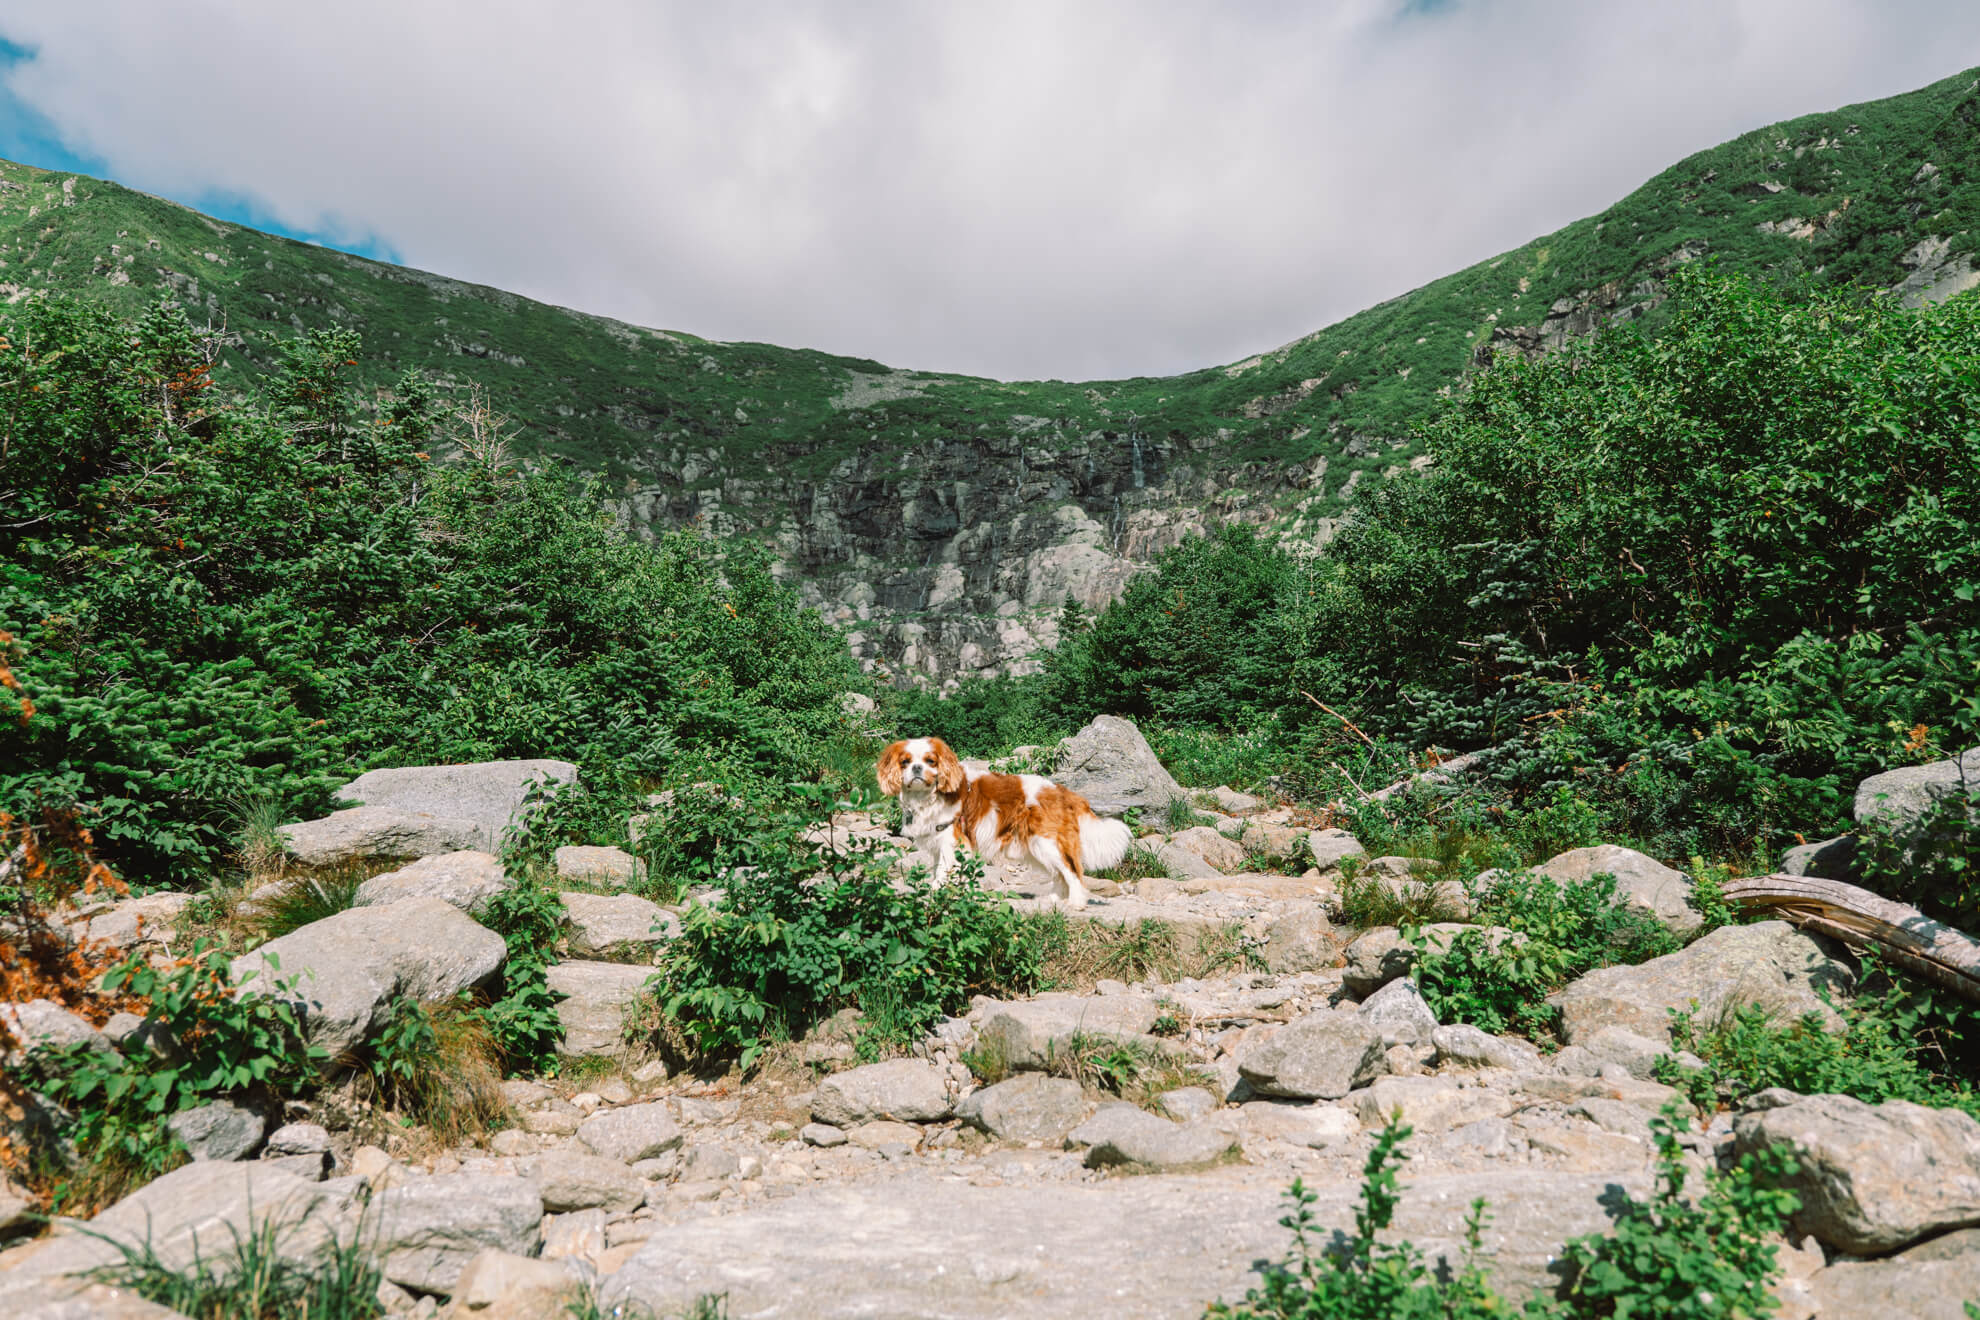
(358, 833)
(428, 1229)
(630, 1133)
(570, 1180)
(486, 793)
(1222, 855)
(1123, 1135)
(616, 925)
(1902, 801)
(1769, 964)
(904, 1090)
(1320, 1056)
(1302, 940)
(220, 1130)
(1027, 1107)
(1112, 766)
(1035, 1033)
(1932, 1281)
(1642, 882)
(1399, 1014)
(595, 998)
(1329, 848)
(1872, 1178)
(466, 879)
(345, 968)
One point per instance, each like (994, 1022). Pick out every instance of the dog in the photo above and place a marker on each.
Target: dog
(1019, 818)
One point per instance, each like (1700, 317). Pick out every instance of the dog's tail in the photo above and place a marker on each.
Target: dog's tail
(1103, 842)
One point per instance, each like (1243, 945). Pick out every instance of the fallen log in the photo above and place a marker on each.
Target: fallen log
(1899, 933)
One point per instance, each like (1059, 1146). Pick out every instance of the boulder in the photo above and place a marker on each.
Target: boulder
(299, 1139)
(584, 864)
(35, 1022)
(1636, 1054)
(1830, 859)
(882, 1133)
(1932, 1281)
(344, 969)
(1181, 863)
(428, 1229)
(1380, 954)
(221, 1130)
(1231, 801)
(501, 1285)
(1187, 1103)
(1770, 964)
(1429, 1104)
(79, 1299)
(133, 921)
(1320, 1056)
(1642, 882)
(1314, 1125)
(630, 1133)
(825, 1136)
(616, 924)
(1211, 848)
(487, 794)
(905, 1090)
(596, 996)
(1112, 766)
(1123, 1135)
(1329, 848)
(1902, 802)
(1270, 839)
(359, 833)
(465, 880)
(1872, 1178)
(569, 1180)
(1034, 1033)
(1399, 1013)
(1466, 1046)
(1302, 940)
(1027, 1107)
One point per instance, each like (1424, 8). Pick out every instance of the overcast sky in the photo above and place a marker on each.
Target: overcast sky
(1076, 188)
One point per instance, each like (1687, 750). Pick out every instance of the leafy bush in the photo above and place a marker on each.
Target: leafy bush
(215, 1043)
(522, 1021)
(224, 598)
(1559, 931)
(1898, 1041)
(806, 932)
(1365, 1278)
(437, 1064)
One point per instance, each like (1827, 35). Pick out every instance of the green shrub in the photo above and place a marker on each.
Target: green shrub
(1901, 1041)
(1559, 931)
(803, 932)
(216, 1044)
(1364, 1277)
(437, 1064)
(522, 1020)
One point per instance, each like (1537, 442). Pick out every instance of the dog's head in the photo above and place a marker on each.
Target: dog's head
(923, 763)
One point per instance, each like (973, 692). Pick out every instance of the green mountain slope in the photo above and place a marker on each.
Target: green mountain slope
(1845, 195)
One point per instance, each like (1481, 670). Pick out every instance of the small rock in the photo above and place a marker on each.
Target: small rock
(824, 1134)
(513, 1142)
(506, 1286)
(1322, 1055)
(1644, 883)
(1187, 1103)
(1034, 1033)
(1277, 842)
(1209, 847)
(909, 1090)
(299, 1139)
(579, 1235)
(593, 1010)
(1314, 1125)
(881, 1133)
(465, 880)
(428, 1229)
(1028, 1107)
(585, 865)
(1399, 1013)
(222, 1130)
(1233, 802)
(635, 1132)
(1429, 1104)
(705, 1162)
(1329, 848)
(569, 1181)
(660, 1166)
(1302, 940)
(603, 925)
(1121, 1134)
(1112, 766)
(1467, 1047)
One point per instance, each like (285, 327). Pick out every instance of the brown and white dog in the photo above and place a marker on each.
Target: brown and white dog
(1018, 818)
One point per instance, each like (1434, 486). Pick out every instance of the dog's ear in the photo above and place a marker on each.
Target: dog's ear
(888, 772)
(949, 773)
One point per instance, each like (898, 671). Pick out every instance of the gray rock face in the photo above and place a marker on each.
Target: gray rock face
(917, 1247)
(1831, 859)
(78, 1299)
(630, 1133)
(1429, 1104)
(222, 1130)
(198, 1210)
(357, 833)
(567, 1180)
(616, 924)
(1874, 1178)
(464, 880)
(428, 1229)
(1033, 1033)
(1321, 1056)
(1770, 964)
(487, 793)
(588, 865)
(45, 1022)
(905, 1090)
(1932, 1281)
(134, 921)
(1112, 766)
(1329, 848)
(593, 1012)
(1380, 954)
(1124, 1135)
(1181, 863)
(1027, 1107)
(1902, 800)
(1645, 883)
(1302, 940)
(1468, 1047)
(1399, 1014)
(1211, 848)
(1278, 842)
(347, 967)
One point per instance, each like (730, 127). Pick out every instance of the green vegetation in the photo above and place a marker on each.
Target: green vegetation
(437, 1064)
(1705, 1259)
(221, 600)
(522, 1019)
(255, 1279)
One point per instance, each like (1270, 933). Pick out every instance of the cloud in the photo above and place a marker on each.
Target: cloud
(1031, 189)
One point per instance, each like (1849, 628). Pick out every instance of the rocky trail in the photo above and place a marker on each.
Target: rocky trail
(987, 1171)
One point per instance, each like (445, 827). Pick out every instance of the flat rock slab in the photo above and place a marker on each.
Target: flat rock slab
(616, 924)
(356, 833)
(465, 880)
(486, 793)
(917, 1247)
(1037, 1032)
(593, 1011)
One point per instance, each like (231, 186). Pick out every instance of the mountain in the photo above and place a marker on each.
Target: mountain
(945, 519)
